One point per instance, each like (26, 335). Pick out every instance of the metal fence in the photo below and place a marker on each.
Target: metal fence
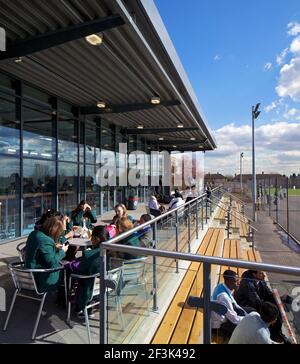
(281, 200)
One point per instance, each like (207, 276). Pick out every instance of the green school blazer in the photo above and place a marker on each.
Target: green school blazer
(77, 219)
(41, 253)
(89, 265)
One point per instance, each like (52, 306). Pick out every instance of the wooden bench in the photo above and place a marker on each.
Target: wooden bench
(180, 323)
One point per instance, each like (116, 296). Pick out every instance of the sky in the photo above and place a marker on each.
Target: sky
(236, 54)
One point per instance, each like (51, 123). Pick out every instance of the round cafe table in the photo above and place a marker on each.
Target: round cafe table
(82, 242)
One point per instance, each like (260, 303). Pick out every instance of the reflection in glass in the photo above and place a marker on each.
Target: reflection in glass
(9, 197)
(9, 128)
(39, 190)
(39, 141)
(67, 139)
(92, 189)
(67, 187)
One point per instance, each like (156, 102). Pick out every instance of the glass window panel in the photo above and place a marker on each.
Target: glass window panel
(92, 189)
(39, 190)
(92, 140)
(39, 134)
(9, 128)
(9, 197)
(67, 138)
(68, 187)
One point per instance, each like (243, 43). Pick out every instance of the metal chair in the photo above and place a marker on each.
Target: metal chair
(114, 277)
(21, 251)
(24, 280)
(134, 274)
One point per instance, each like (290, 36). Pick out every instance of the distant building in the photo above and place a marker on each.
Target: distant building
(260, 178)
(215, 179)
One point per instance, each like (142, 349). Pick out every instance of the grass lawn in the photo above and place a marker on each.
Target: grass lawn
(292, 192)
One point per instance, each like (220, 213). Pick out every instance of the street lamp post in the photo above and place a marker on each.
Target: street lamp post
(241, 172)
(255, 115)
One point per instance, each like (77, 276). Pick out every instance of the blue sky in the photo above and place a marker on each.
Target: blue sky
(237, 53)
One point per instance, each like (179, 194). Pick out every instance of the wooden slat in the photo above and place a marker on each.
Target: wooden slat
(165, 330)
(185, 321)
(198, 321)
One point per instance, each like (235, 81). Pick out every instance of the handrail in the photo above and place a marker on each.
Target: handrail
(230, 194)
(156, 219)
(237, 263)
(236, 211)
(252, 227)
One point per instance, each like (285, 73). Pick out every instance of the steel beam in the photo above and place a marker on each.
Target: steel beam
(118, 109)
(60, 36)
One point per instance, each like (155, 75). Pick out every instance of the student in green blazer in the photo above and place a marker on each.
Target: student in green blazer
(83, 211)
(43, 251)
(89, 265)
(123, 225)
(121, 211)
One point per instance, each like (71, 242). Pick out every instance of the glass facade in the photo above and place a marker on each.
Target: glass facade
(49, 158)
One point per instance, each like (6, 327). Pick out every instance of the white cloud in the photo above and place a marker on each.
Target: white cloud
(270, 107)
(217, 58)
(295, 46)
(292, 114)
(268, 66)
(281, 58)
(294, 28)
(289, 82)
(276, 148)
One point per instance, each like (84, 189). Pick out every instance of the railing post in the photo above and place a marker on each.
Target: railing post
(228, 222)
(103, 297)
(206, 301)
(202, 215)
(206, 208)
(177, 239)
(189, 228)
(197, 221)
(287, 210)
(154, 283)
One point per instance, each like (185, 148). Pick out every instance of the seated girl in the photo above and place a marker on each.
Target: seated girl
(121, 212)
(83, 212)
(44, 251)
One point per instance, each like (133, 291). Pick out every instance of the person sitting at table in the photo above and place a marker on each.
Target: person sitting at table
(44, 251)
(176, 201)
(88, 265)
(121, 212)
(146, 234)
(154, 207)
(83, 212)
(124, 224)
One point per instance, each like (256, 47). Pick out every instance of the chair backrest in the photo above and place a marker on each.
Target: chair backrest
(23, 278)
(114, 275)
(133, 271)
(21, 251)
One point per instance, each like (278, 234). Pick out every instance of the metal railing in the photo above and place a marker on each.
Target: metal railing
(207, 261)
(230, 212)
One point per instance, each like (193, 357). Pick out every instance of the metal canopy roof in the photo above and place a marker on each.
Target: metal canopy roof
(132, 65)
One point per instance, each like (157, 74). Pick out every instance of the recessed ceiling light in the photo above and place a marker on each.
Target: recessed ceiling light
(180, 126)
(19, 60)
(200, 146)
(192, 139)
(94, 39)
(140, 127)
(174, 146)
(101, 104)
(161, 139)
(155, 100)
